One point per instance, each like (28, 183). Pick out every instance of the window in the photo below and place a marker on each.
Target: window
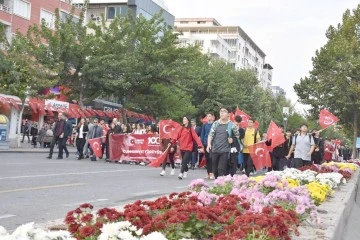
(184, 22)
(201, 22)
(64, 16)
(22, 8)
(48, 17)
(119, 11)
(199, 43)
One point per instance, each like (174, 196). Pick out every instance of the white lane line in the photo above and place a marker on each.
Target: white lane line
(181, 187)
(146, 193)
(90, 201)
(76, 173)
(7, 216)
(42, 187)
(27, 163)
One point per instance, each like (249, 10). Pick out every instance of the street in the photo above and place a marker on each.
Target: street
(36, 189)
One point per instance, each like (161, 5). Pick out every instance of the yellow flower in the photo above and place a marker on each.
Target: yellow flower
(258, 178)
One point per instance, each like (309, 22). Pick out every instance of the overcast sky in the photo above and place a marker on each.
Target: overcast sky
(288, 31)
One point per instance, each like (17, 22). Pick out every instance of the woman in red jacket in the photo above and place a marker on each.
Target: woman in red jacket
(186, 138)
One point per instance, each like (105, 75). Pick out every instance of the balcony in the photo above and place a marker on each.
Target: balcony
(4, 8)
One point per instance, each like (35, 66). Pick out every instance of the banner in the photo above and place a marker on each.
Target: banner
(136, 147)
(326, 119)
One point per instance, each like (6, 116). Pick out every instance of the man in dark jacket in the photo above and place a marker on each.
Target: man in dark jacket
(58, 134)
(67, 132)
(195, 153)
(95, 132)
(278, 154)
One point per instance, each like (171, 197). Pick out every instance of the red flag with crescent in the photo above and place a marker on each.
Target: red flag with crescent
(326, 119)
(158, 161)
(168, 129)
(259, 153)
(275, 134)
(95, 145)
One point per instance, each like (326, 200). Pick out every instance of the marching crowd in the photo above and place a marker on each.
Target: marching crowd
(224, 144)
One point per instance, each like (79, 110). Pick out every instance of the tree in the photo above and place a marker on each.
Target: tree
(20, 74)
(65, 51)
(334, 81)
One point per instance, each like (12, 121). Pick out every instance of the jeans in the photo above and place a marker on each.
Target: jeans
(208, 161)
(220, 164)
(171, 158)
(248, 163)
(186, 157)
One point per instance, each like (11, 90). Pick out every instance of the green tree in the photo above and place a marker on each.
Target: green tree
(334, 81)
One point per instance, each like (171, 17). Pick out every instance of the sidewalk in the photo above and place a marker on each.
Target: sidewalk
(28, 148)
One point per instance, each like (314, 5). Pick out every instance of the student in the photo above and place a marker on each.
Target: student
(219, 142)
(204, 139)
(304, 146)
(186, 138)
(171, 156)
(251, 137)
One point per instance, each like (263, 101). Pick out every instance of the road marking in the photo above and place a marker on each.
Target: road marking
(90, 201)
(76, 173)
(146, 193)
(28, 163)
(7, 216)
(42, 187)
(182, 187)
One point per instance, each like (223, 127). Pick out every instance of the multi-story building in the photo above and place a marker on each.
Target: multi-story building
(278, 91)
(109, 9)
(229, 43)
(18, 15)
(267, 75)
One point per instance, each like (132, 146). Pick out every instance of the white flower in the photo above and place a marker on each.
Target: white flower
(23, 232)
(3, 231)
(139, 232)
(154, 236)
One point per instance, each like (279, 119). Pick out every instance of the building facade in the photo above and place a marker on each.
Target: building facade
(229, 43)
(18, 15)
(278, 91)
(109, 9)
(267, 75)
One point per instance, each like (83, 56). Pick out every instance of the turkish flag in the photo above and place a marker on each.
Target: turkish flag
(169, 129)
(202, 161)
(245, 117)
(256, 124)
(260, 155)
(326, 119)
(158, 161)
(95, 145)
(204, 120)
(276, 135)
(232, 117)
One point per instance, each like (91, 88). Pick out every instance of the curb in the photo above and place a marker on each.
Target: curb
(334, 214)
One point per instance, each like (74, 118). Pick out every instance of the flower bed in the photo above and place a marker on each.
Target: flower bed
(265, 207)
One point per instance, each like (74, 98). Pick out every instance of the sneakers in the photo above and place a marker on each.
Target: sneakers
(172, 172)
(180, 176)
(185, 175)
(211, 177)
(162, 173)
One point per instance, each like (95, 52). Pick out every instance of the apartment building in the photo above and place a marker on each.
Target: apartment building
(267, 75)
(18, 15)
(229, 43)
(109, 9)
(278, 91)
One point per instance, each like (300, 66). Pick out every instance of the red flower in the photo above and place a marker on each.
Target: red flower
(73, 228)
(86, 231)
(78, 211)
(87, 218)
(86, 205)
(70, 219)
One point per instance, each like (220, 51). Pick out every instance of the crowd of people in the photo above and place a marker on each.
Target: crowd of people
(223, 143)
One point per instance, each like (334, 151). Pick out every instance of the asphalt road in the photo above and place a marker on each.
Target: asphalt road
(36, 189)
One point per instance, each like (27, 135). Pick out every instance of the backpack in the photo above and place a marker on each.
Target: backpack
(294, 143)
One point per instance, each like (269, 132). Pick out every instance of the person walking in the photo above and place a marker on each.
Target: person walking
(58, 134)
(95, 132)
(251, 137)
(67, 133)
(195, 153)
(26, 130)
(186, 138)
(82, 130)
(304, 146)
(170, 156)
(204, 139)
(219, 142)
